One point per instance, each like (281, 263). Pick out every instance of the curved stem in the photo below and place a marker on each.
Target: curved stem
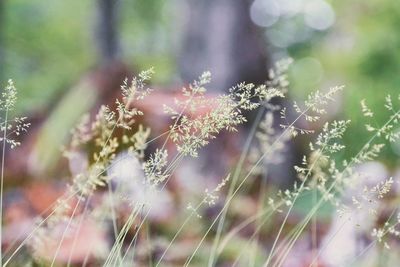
(3, 156)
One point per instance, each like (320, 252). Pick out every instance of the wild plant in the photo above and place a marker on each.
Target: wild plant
(11, 128)
(124, 201)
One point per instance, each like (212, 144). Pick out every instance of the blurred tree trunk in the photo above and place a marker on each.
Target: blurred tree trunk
(2, 54)
(106, 31)
(220, 37)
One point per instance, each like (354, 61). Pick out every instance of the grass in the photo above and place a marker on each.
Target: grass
(322, 182)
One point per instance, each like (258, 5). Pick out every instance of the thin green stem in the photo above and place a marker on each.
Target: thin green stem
(65, 231)
(241, 184)
(112, 209)
(3, 156)
(291, 207)
(78, 229)
(350, 164)
(232, 185)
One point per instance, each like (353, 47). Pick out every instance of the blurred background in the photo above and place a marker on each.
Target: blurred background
(68, 57)
(47, 47)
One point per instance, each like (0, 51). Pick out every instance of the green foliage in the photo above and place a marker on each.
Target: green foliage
(49, 48)
(9, 126)
(361, 51)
